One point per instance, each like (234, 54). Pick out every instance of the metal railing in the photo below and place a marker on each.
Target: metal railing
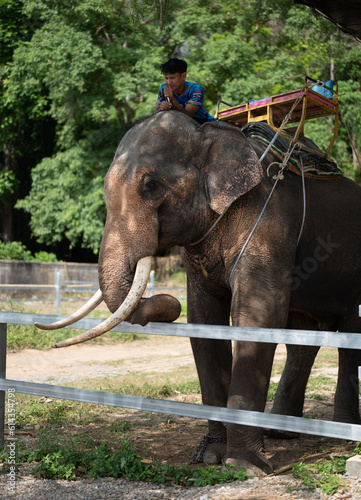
(250, 418)
(75, 287)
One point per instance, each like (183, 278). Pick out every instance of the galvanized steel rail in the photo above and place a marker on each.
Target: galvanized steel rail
(255, 419)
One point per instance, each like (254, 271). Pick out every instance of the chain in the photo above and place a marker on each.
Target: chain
(201, 448)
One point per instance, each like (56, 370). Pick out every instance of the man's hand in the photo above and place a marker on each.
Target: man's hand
(164, 105)
(168, 93)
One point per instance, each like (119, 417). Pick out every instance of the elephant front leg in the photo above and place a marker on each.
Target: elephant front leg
(213, 360)
(260, 299)
(252, 364)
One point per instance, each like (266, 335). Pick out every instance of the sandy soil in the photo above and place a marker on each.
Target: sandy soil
(93, 360)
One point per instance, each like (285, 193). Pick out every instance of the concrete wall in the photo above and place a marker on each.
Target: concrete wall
(42, 273)
(20, 271)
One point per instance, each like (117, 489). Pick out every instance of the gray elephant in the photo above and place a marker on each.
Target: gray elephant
(174, 182)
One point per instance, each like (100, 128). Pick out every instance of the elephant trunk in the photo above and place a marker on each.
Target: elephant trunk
(117, 261)
(122, 290)
(123, 311)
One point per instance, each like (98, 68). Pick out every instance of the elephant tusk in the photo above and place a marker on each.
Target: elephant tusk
(77, 315)
(125, 309)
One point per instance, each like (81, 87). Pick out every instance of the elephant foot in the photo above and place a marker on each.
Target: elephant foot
(214, 453)
(210, 450)
(256, 464)
(278, 434)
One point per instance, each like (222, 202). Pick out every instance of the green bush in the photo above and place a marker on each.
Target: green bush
(15, 250)
(43, 256)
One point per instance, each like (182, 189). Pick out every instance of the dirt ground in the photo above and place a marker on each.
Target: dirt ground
(163, 437)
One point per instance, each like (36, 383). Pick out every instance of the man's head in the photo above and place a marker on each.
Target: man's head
(175, 72)
(174, 66)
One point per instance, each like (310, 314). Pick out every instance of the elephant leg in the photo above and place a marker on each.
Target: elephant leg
(290, 394)
(213, 360)
(346, 404)
(252, 364)
(257, 303)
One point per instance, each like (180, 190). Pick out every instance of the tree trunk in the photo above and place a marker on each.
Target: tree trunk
(7, 203)
(7, 222)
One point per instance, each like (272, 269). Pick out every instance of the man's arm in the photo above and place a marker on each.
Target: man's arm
(162, 103)
(171, 102)
(190, 109)
(162, 106)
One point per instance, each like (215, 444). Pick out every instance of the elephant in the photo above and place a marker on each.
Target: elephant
(203, 187)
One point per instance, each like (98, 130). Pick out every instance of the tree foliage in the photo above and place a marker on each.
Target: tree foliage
(75, 74)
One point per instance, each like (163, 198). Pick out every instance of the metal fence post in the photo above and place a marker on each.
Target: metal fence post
(152, 283)
(3, 338)
(58, 292)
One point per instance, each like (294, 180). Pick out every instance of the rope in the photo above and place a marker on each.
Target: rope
(210, 229)
(277, 178)
(304, 203)
(202, 256)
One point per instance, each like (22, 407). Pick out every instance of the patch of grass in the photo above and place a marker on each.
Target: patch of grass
(318, 397)
(29, 337)
(159, 389)
(320, 383)
(122, 427)
(183, 303)
(34, 411)
(272, 391)
(322, 475)
(326, 355)
(81, 455)
(177, 278)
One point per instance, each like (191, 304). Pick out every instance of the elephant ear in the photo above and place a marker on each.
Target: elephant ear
(231, 166)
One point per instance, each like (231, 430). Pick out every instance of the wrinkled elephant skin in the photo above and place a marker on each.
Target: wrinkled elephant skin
(170, 180)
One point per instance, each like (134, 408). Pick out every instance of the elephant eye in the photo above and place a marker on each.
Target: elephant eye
(150, 184)
(151, 188)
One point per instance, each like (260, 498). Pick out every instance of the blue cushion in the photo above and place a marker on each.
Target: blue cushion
(323, 91)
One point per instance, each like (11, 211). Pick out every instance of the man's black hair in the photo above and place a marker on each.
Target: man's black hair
(173, 66)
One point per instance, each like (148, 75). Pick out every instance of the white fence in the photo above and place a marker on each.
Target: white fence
(58, 289)
(256, 419)
(75, 287)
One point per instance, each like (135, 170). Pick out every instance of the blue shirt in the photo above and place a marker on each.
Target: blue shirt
(193, 94)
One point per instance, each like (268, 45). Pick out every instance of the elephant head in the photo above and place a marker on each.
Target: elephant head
(169, 180)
